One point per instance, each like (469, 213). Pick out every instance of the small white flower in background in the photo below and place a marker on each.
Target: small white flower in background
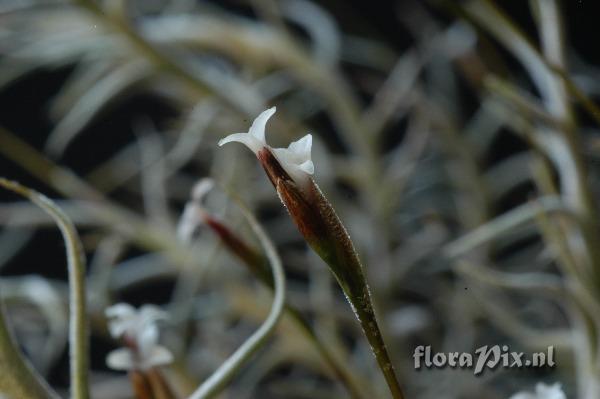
(138, 329)
(201, 188)
(188, 222)
(542, 391)
(295, 159)
(191, 217)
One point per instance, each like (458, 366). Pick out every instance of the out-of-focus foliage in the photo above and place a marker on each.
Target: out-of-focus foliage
(456, 163)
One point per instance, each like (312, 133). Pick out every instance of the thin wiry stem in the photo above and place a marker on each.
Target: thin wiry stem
(78, 326)
(221, 377)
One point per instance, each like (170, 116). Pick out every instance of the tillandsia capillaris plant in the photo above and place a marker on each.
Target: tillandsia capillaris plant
(290, 170)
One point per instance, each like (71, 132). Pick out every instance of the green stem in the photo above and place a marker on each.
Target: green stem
(221, 377)
(362, 305)
(78, 329)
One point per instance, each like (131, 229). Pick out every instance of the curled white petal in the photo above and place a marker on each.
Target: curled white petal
(301, 148)
(249, 141)
(257, 129)
(255, 138)
(120, 359)
(296, 159)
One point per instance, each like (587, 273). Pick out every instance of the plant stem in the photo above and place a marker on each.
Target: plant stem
(363, 309)
(371, 330)
(78, 329)
(221, 377)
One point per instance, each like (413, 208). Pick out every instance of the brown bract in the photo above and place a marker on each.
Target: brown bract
(248, 255)
(298, 202)
(317, 222)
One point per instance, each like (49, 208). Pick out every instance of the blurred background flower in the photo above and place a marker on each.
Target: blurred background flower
(138, 331)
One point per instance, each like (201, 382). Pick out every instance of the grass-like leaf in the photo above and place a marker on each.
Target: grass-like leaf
(78, 329)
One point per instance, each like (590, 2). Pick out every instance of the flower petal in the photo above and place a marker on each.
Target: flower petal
(245, 138)
(201, 188)
(308, 167)
(188, 222)
(302, 147)
(147, 340)
(123, 318)
(296, 159)
(158, 357)
(121, 310)
(257, 129)
(120, 359)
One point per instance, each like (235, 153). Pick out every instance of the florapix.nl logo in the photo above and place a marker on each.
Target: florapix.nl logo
(485, 357)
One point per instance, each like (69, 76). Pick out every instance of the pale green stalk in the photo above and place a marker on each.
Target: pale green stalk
(225, 373)
(78, 328)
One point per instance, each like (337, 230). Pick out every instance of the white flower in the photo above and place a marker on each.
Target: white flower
(139, 330)
(191, 217)
(188, 222)
(295, 159)
(201, 188)
(542, 391)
